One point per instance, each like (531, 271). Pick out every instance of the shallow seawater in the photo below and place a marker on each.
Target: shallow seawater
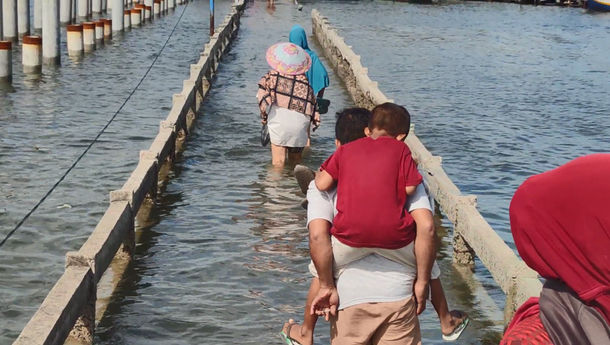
(223, 257)
(500, 91)
(47, 122)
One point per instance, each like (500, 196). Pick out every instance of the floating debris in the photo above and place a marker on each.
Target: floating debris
(65, 206)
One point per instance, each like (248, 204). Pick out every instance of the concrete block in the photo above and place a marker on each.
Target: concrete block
(59, 311)
(142, 181)
(165, 124)
(100, 248)
(164, 144)
(121, 195)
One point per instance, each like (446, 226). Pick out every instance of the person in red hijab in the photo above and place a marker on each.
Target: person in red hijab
(560, 221)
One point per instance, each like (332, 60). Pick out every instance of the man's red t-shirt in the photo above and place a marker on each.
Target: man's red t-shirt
(371, 176)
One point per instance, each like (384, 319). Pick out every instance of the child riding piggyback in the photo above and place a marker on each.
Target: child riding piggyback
(374, 176)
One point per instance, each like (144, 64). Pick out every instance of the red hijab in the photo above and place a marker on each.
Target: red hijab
(560, 221)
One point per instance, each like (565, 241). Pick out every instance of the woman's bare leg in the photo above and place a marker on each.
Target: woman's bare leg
(278, 155)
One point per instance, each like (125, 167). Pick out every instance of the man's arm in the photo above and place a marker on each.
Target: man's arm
(320, 213)
(321, 251)
(425, 254)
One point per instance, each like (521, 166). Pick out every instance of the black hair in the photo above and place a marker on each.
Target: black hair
(351, 123)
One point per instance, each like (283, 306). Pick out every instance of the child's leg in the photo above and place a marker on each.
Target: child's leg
(449, 319)
(303, 333)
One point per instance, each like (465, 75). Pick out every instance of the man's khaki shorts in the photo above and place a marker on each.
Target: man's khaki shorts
(387, 323)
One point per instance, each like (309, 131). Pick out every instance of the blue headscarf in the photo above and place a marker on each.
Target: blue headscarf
(317, 75)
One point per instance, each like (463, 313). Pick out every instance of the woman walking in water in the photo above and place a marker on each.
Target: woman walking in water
(286, 101)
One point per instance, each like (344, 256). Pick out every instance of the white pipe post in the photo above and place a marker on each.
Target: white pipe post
(31, 52)
(1, 22)
(65, 11)
(89, 36)
(126, 19)
(9, 19)
(157, 8)
(118, 10)
(6, 61)
(140, 7)
(172, 4)
(37, 15)
(108, 28)
(75, 40)
(82, 9)
(50, 32)
(135, 17)
(23, 17)
(99, 31)
(96, 6)
(147, 13)
(104, 5)
(73, 10)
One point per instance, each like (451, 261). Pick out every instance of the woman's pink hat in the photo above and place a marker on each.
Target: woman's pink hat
(288, 58)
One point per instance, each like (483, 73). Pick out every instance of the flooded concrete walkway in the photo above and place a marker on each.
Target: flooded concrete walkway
(46, 123)
(225, 258)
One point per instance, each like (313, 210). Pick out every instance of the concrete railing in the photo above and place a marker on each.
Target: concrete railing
(472, 234)
(69, 308)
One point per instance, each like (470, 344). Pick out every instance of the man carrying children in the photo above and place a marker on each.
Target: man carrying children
(372, 239)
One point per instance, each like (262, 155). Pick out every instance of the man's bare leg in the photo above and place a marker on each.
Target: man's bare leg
(303, 333)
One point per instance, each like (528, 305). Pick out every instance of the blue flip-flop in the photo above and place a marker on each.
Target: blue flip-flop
(457, 331)
(286, 336)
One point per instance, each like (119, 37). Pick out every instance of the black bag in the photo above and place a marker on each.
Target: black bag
(265, 139)
(322, 105)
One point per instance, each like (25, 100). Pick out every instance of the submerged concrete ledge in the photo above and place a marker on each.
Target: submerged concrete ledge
(472, 234)
(69, 310)
(63, 305)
